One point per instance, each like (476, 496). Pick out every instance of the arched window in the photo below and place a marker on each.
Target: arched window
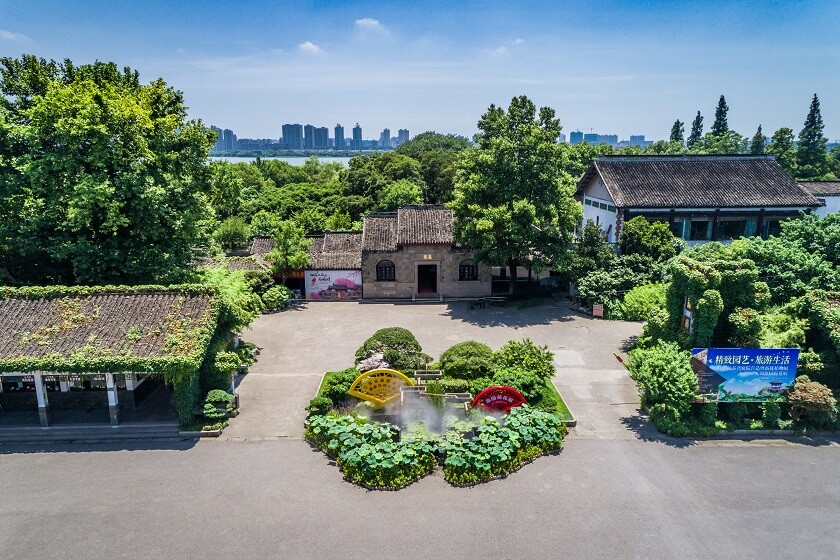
(385, 272)
(468, 271)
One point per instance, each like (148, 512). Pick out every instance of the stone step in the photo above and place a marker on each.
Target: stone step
(88, 433)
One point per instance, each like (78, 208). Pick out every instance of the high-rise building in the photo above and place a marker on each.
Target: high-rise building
(590, 137)
(561, 138)
(357, 137)
(402, 136)
(611, 139)
(637, 140)
(293, 136)
(220, 139)
(321, 138)
(385, 138)
(228, 140)
(308, 137)
(576, 137)
(339, 137)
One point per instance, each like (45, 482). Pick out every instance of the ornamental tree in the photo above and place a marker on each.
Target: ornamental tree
(513, 199)
(678, 132)
(721, 124)
(696, 131)
(758, 143)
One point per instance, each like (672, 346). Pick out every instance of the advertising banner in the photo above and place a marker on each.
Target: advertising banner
(744, 374)
(333, 285)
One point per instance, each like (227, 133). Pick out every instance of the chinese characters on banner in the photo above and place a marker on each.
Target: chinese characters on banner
(744, 374)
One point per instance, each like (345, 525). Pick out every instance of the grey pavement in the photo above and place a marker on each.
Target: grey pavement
(616, 490)
(299, 345)
(599, 498)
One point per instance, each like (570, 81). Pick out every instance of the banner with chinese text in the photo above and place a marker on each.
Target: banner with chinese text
(744, 374)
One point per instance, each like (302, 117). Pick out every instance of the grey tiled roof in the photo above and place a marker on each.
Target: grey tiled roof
(336, 251)
(262, 245)
(255, 262)
(822, 188)
(380, 232)
(698, 182)
(424, 225)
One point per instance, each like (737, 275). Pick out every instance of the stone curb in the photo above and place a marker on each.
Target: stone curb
(568, 423)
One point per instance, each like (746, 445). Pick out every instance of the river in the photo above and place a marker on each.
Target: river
(293, 160)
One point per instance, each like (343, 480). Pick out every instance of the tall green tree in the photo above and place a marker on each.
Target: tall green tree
(781, 145)
(759, 141)
(696, 131)
(103, 179)
(721, 124)
(290, 251)
(513, 200)
(811, 155)
(678, 132)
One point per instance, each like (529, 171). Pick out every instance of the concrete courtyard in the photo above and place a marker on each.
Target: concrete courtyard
(615, 491)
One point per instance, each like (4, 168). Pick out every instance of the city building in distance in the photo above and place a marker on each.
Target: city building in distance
(339, 137)
(576, 137)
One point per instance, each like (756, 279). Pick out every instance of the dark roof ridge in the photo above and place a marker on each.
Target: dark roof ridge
(684, 157)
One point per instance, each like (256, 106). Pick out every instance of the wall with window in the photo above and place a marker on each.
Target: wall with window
(458, 275)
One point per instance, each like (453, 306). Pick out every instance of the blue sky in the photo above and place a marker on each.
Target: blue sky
(623, 67)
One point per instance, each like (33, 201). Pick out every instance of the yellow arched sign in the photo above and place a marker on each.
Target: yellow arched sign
(379, 386)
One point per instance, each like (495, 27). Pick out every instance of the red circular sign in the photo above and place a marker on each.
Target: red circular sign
(499, 398)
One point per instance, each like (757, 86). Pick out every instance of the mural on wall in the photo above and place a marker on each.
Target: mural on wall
(333, 285)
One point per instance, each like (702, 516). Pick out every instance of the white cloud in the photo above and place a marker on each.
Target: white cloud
(310, 47)
(505, 48)
(519, 41)
(12, 36)
(501, 51)
(368, 23)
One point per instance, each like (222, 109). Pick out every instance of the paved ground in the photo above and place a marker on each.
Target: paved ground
(612, 493)
(299, 345)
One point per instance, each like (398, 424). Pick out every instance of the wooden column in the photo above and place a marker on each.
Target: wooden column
(715, 221)
(43, 400)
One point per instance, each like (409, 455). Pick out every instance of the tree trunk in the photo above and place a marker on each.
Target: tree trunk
(512, 264)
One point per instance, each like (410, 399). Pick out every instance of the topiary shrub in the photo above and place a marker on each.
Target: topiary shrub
(276, 298)
(525, 355)
(812, 404)
(397, 345)
(467, 360)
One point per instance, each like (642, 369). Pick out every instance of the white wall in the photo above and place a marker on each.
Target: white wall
(599, 207)
(832, 205)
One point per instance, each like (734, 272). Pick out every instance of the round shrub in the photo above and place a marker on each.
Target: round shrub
(398, 346)
(276, 298)
(525, 355)
(663, 375)
(467, 360)
(319, 406)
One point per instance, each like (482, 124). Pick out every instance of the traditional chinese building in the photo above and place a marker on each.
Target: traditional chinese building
(702, 198)
(826, 192)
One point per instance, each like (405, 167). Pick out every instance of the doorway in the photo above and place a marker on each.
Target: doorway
(426, 278)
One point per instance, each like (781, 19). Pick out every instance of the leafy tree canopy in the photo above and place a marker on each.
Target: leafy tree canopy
(104, 180)
(513, 201)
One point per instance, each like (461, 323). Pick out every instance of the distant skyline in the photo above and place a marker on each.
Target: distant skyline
(618, 67)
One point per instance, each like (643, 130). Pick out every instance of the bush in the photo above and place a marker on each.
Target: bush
(478, 385)
(368, 455)
(525, 355)
(336, 385)
(735, 413)
(217, 396)
(663, 375)
(467, 360)
(639, 236)
(496, 450)
(454, 385)
(232, 233)
(643, 302)
(276, 298)
(398, 346)
(527, 383)
(811, 403)
(319, 406)
(216, 405)
(771, 413)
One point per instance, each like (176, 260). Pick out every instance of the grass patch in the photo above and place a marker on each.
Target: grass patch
(562, 410)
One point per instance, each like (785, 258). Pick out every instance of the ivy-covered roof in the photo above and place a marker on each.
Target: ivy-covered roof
(149, 329)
